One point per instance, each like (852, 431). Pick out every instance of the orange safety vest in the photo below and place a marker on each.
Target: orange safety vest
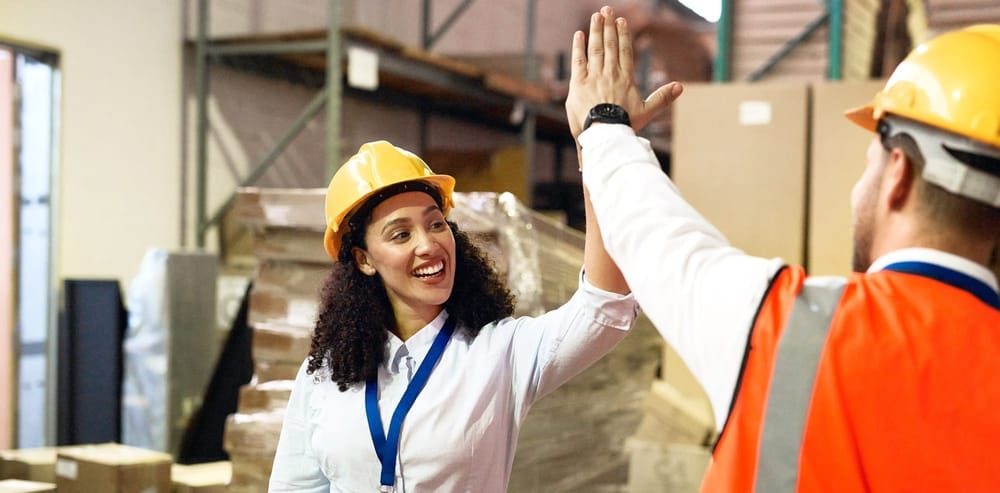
(883, 382)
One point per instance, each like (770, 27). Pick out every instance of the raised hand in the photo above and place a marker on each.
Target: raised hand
(602, 72)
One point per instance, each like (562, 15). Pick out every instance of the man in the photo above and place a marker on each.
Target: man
(884, 381)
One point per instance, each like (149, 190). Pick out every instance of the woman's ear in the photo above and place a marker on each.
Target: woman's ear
(363, 261)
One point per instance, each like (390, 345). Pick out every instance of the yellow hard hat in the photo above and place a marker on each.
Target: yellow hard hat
(951, 82)
(377, 166)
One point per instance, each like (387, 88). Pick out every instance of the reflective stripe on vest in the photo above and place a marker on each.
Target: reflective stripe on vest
(790, 393)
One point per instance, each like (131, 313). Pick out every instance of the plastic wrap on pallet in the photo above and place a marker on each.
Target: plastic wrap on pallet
(144, 385)
(521, 241)
(170, 346)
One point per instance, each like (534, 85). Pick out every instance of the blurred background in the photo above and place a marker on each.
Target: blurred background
(164, 164)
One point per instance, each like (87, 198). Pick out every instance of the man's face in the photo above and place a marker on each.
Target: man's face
(864, 198)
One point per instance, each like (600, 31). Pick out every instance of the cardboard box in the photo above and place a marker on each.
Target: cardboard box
(35, 464)
(251, 473)
(268, 371)
(837, 161)
(211, 477)
(281, 342)
(253, 433)
(503, 170)
(20, 486)
(112, 468)
(739, 157)
(265, 396)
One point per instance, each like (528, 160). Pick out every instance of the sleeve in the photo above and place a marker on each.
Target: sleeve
(550, 349)
(295, 468)
(701, 293)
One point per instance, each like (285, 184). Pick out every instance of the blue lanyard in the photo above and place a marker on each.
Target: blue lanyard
(386, 446)
(978, 288)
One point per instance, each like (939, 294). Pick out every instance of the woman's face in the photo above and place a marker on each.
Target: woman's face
(412, 248)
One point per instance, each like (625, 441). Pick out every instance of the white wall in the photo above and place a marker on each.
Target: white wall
(118, 178)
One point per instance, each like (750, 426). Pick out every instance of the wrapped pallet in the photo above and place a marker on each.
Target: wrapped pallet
(251, 439)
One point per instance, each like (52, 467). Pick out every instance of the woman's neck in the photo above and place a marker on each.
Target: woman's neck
(409, 323)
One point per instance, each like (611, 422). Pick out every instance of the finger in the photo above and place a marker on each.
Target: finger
(578, 67)
(595, 45)
(610, 39)
(626, 57)
(662, 97)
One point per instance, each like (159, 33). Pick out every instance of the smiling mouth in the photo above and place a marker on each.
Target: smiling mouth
(429, 271)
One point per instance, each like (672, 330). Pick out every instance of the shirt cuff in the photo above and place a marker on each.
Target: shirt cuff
(614, 310)
(606, 148)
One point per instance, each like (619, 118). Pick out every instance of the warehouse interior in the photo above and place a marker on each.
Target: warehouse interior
(166, 165)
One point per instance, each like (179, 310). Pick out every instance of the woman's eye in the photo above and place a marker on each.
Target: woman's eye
(399, 236)
(437, 225)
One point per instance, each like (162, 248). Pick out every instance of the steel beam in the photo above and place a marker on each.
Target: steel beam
(201, 130)
(303, 119)
(432, 38)
(836, 58)
(268, 48)
(334, 89)
(724, 43)
(789, 46)
(530, 115)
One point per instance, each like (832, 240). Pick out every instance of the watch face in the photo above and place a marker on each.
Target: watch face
(607, 113)
(608, 110)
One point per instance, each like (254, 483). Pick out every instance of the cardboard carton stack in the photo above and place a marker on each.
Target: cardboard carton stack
(210, 477)
(20, 486)
(573, 439)
(251, 439)
(287, 231)
(34, 464)
(112, 468)
(106, 467)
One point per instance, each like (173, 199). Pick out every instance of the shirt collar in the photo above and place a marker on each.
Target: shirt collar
(937, 257)
(418, 344)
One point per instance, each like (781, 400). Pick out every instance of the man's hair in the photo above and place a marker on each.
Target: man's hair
(948, 211)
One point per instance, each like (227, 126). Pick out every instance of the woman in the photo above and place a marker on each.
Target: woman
(412, 308)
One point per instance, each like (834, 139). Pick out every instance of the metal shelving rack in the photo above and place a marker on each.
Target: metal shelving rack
(833, 14)
(330, 96)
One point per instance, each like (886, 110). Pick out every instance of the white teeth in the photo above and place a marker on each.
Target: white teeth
(429, 271)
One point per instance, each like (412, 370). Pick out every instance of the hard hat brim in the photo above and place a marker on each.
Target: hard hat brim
(863, 116)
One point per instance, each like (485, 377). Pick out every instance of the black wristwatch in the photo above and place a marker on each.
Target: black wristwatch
(606, 113)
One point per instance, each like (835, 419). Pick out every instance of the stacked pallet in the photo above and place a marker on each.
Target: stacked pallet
(573, 439)
(671, 448)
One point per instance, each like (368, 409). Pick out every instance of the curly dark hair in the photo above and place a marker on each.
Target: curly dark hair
(355, 315)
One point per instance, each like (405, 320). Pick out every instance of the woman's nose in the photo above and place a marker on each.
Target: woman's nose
(426, 243)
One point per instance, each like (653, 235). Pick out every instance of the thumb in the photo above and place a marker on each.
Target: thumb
(662, 97)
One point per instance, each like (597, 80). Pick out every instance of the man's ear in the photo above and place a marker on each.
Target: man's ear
(898, 181)
(363, 261)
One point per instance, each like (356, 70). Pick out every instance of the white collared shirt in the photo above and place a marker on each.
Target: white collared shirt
(461, 433)
(700, 292)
